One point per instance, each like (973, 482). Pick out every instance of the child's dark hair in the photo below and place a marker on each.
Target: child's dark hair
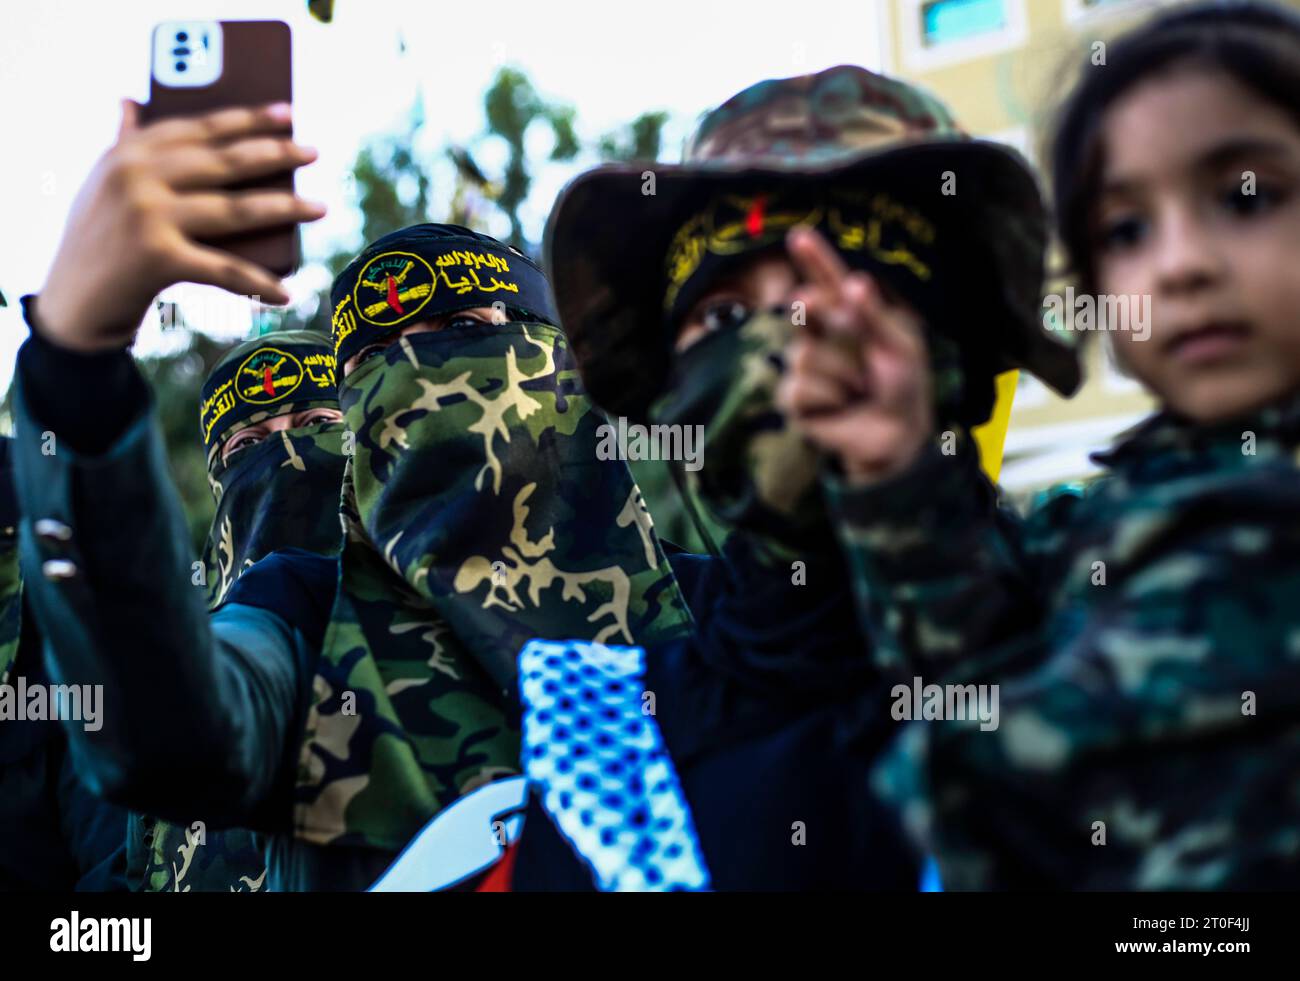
(1257, 44)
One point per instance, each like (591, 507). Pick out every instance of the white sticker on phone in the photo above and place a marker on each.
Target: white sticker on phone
(187, 53)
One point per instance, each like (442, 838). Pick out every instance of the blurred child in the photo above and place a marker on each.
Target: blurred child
(1143, 636)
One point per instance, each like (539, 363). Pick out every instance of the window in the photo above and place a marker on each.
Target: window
(937, 33)
(1079, 9)
(945, 21)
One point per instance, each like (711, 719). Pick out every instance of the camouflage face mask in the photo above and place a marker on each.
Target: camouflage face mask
(478, 517)
(758, 473)
(477, 478)
(282, 492)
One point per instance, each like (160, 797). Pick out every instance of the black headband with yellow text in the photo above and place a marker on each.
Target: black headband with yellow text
(257, 376)
(872, 229)
(426, 271)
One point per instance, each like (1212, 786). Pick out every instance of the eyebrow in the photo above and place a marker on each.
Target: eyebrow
(1231, 150)
(1214, 159)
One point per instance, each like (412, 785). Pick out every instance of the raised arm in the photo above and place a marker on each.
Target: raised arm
(192, 713)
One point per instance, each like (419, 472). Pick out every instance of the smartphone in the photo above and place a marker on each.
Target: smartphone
(202, 65)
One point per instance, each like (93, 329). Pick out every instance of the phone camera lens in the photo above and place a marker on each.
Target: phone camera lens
(182, 36)
(181, 66)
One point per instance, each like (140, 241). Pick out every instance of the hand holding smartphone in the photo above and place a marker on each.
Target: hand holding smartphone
(202, 66)
(202, 193)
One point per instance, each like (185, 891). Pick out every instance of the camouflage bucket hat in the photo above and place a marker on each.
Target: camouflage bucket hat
(612, 227)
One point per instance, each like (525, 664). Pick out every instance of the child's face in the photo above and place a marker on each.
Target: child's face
(1177, 221)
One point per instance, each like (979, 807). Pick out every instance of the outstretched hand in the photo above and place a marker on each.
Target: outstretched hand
(858, 381)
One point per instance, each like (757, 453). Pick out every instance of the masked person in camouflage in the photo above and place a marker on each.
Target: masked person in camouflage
(680, 297)
(55, 836)
(335, 705)
(273, 436)
(1142, 634)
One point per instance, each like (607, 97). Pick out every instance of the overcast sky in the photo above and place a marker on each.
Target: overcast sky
(65, 65)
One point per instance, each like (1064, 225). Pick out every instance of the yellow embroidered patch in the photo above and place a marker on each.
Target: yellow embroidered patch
(392, 287)
(268, 375)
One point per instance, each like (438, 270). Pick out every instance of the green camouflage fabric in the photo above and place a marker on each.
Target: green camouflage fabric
(282, 492)
(1146, 645)
(166, 857)
(759, 473)
(674, 520)
(478, 516)
(826, 118)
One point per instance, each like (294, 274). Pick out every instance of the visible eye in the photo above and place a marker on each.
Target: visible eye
(314, 416)
(1121, 233)
(710, 315)
(368, 352)
(1235, 200)
(242, 440)
(722, 314)
(465, 319)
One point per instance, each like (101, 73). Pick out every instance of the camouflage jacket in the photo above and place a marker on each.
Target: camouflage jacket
(1145, 649)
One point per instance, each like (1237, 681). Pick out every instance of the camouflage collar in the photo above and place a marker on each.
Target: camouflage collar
(1167, 433)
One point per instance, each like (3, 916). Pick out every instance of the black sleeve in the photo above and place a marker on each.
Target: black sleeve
(95, 832)
(771, 641)
(198, 713)
(86, 399)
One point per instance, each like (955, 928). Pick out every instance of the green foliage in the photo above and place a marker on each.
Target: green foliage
(175, 381)
(639, 142)
(512, 105)
(392, 187)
